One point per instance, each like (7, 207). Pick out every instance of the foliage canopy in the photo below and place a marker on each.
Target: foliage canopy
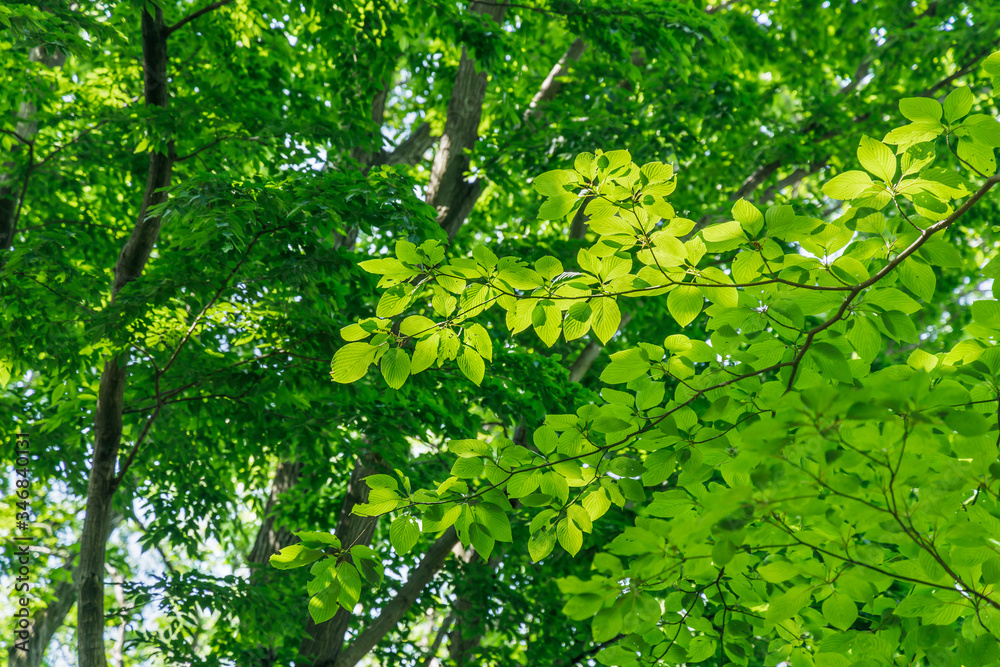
(674, 317)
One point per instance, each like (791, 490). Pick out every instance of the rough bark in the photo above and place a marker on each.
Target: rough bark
(91, 650)
(47, 620)
(467, 633)
(451, 195)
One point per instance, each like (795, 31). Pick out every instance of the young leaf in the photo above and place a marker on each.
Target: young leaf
(294, 556)
(570, 536)
(471, 364)
(395, 365)
(403, 533)
(351, 362)
(877, 158)
(848, 185)
(958, 104)
(684, 304)
(541, 544)
(920, 108)
(323, 607)
(605, 318)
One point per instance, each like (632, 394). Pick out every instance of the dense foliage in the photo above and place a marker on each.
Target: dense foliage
(660, 332)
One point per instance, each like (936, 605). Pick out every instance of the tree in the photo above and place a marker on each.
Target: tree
(181, 261)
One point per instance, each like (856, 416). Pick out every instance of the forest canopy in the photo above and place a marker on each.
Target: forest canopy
(567, 332)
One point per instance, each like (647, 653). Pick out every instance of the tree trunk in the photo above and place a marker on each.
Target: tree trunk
(448, 192)
(45, 622)
(110, 401)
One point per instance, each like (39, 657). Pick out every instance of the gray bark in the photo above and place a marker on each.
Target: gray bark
(271, 538)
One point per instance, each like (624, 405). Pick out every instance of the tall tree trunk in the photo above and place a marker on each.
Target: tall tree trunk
(47, 620)
(91, 651)
(448, 192)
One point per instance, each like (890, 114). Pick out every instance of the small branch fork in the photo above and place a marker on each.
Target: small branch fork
(160, 372)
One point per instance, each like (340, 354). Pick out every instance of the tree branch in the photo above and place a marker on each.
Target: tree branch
(413, 148)
(91, 651)
(448, 191)
(191, 17)
(390, 615)
(550, 86)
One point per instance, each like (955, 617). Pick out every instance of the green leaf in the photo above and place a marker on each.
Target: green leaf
(831, 362)
(625, 366)
(415, 325)
(865, 338)
(877, 158)
(546, 321)
(404, 533)
(958, 104)
(495, 520)
(605, 319)
(313, 539)
(920, 108)
(351, 362)
(915, 133)
(541, 544)
(294, 556)
(323, 607)
(891, 298)
(548, 267)
(607, 624)
(684, 303)
(523, 483)
(481, 541)
(425, 353)
(787, 604)
(748, 216)
(724, 296)
(471, 364)
(727, 234)
(778, 572)
(557, 207)
(570, 536)
(394, 301)
(478, 338)
(395, 365)
(557, 182)
(840, 611)
(350, 585)
(848, 185)
(918, 278)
